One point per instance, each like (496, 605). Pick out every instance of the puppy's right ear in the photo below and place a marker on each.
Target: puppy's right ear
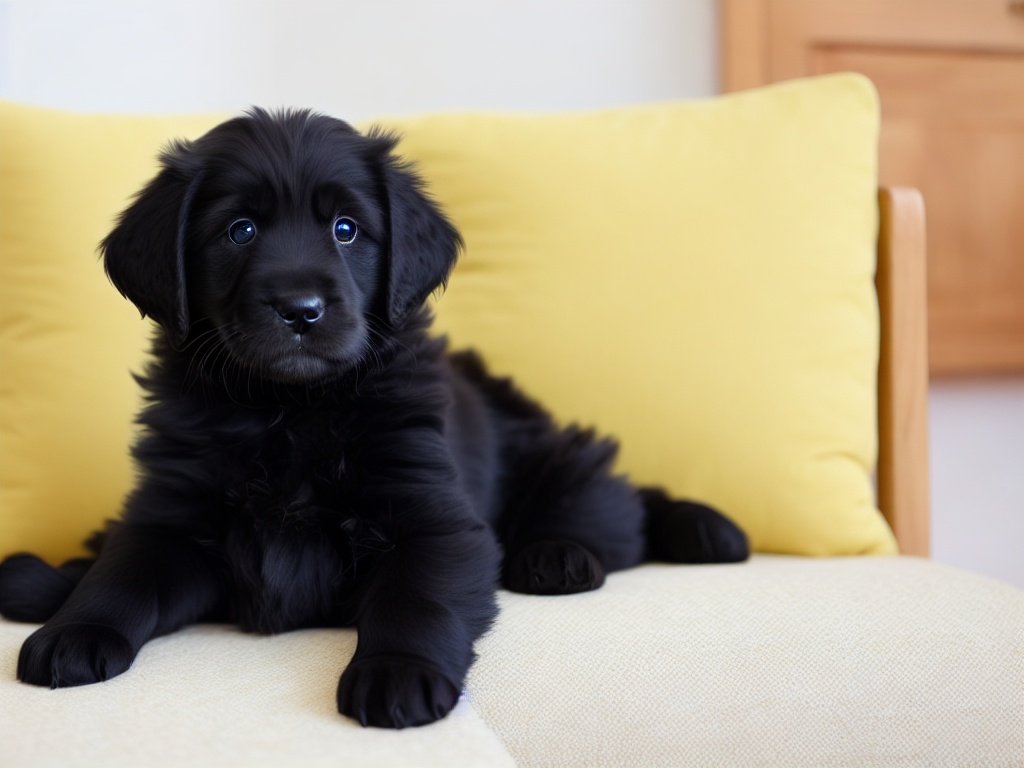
(144, 255)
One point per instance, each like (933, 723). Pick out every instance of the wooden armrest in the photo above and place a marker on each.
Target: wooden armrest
(903, 369)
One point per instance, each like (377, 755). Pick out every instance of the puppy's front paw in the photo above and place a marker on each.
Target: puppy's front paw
(394, 691)
(63, 655)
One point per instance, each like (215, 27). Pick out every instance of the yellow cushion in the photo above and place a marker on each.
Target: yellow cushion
(67, 339)
(695, 279)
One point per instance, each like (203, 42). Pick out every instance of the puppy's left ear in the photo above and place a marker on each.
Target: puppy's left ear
(144, 255)
(423, 244)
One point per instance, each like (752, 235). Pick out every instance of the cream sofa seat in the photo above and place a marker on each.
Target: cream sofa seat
(213, 696)
(783, 661)
(780, 662)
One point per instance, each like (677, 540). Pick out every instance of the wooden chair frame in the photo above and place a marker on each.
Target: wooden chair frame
(903, 369)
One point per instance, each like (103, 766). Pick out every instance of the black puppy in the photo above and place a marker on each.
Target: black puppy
(309, 455)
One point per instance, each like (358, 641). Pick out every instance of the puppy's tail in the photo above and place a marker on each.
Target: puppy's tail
(688, 532)
(32, 591)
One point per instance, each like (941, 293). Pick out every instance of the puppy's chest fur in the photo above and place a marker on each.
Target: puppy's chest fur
(292, 539)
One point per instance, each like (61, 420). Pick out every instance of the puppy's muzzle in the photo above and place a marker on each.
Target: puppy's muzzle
(300, 313)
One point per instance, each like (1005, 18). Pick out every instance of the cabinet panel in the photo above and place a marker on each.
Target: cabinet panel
(953, 126)
(950, 74)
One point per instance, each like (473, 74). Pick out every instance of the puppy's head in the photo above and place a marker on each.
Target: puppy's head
(289, 239)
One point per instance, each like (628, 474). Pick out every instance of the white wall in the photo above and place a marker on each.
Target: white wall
(375, 57)
(977, 459)
(354, 58)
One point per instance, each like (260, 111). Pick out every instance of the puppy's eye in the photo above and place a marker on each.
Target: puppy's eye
(241, 232)
(345, 230)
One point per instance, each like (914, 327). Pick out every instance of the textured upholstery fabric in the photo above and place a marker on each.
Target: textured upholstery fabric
(212, 696)
(779, 662)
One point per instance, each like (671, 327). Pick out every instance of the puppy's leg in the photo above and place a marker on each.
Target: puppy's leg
(431, 597)
(568, 520)
(144, 583)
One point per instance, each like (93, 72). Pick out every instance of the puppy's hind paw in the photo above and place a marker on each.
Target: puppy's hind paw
(688, 532)
(32, 590)
(395, 691)
(65, 655)
(553, 568)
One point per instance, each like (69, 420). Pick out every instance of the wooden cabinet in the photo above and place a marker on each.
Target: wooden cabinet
(950, 74)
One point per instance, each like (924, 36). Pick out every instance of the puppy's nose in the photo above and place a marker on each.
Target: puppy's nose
(299, 312)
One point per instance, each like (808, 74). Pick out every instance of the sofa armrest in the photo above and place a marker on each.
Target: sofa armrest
(903, 369)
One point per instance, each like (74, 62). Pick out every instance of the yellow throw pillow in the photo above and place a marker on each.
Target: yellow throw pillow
(68, 341)
(695, 279)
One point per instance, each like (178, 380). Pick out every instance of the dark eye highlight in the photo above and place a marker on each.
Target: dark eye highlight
(242, 232)
(345, 230)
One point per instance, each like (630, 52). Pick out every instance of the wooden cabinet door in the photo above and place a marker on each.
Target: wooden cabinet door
(950, 74)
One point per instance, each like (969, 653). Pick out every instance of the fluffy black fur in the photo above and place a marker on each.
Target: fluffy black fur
(309, 455)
